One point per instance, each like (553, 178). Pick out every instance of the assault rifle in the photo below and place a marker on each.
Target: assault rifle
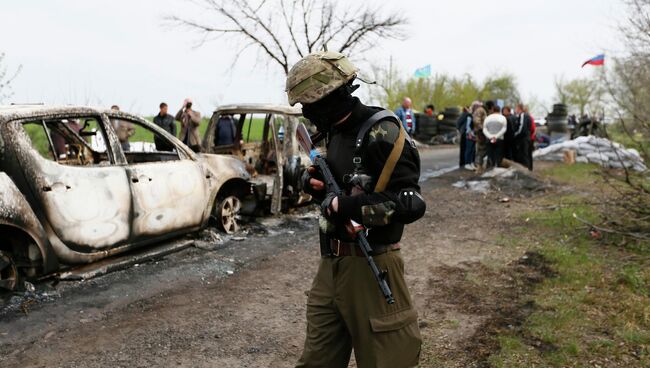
(358, 230)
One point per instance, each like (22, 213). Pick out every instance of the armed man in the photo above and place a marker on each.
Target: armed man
(376, 167)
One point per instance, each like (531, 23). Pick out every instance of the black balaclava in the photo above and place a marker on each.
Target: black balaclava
(331, 108)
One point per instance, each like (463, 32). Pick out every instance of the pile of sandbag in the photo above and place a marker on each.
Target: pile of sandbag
(595, 150)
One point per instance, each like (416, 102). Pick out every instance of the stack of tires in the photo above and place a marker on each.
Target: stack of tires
(556, 123)
(447, 124)
(447, 132)
(426, 126)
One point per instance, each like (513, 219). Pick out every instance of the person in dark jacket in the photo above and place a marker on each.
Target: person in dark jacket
(461, 126)
(167, 123)
(226, 132)
(521, 137)
(345, 308)
(508, 138)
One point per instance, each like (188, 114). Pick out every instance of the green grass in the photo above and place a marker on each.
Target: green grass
(39, 139)
(597, 309)
(256, 130)
(40, 142)
(578, 174)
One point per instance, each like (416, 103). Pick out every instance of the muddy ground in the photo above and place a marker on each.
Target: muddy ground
(241, 303)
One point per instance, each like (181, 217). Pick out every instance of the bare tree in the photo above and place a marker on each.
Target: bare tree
(6, 79)
(626, 207)
(636, 28)
(285, 30)
(629, 81)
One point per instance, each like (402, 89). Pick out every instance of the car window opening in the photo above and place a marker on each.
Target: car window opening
(69, 141)
(141, 144)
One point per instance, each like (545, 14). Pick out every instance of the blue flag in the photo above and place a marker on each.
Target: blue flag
(424, 72)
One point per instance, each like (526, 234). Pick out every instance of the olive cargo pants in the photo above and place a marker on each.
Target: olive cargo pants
(346, 310)
(481, 153)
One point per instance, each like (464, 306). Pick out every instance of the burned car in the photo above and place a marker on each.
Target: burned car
(75, 190)
(265, 141)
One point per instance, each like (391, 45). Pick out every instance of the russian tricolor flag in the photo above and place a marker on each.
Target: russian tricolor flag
(598, 60)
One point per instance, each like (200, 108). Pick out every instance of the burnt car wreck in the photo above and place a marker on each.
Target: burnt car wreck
(266, 143)
(75, 190)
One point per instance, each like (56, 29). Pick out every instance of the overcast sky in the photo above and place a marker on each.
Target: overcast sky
(121, 52)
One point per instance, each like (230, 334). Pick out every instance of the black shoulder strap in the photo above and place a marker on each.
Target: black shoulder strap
(366, 126)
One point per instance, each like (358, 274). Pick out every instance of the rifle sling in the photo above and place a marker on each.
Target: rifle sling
(389, 166)
(396, 152)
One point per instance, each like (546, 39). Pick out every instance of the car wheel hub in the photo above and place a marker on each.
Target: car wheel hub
(229, 214)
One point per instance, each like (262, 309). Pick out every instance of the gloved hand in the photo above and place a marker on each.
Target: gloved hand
(330, 206)
(312, 183)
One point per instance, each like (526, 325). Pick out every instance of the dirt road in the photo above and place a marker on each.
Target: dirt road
(242, 304)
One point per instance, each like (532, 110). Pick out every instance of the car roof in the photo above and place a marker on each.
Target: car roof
(268, 108)
(12, 112)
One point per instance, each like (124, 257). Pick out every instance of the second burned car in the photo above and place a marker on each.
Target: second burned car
(265, 141)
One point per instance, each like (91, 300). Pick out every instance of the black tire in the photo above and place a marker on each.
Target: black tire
(453, 110)
(557, 126)
(560, 109)
(426, 125)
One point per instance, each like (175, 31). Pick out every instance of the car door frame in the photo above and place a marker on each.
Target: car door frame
(136, 172)
(33, 167)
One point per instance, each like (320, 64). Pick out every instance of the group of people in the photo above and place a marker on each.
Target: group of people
(190, 120)
(490, 134)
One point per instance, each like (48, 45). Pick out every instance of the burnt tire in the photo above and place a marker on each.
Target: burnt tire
(9, 277)
(226, 213)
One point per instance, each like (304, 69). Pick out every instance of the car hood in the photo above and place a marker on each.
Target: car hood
(225, 165)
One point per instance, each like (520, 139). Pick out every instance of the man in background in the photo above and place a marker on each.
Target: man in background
(521, 137)
(479, 114)
(123, 129)
(167, 123)
(507, 139)
(429, 110)
(190, 121)
(405, 114)
(461, 126)
(494, 129)
(226, 131)
(533, 137)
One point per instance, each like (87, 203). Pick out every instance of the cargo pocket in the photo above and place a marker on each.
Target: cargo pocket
(396, 339)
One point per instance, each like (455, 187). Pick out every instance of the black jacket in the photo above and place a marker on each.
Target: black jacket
(383, 213)
(167, 123)
(522, 127)
(461, 123)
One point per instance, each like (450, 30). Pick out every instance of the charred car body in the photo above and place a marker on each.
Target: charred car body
(265, 141)
(75, 190)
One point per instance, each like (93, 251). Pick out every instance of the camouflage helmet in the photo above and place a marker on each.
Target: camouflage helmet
(317, 75)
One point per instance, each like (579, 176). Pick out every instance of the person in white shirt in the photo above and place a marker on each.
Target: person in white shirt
(494, 129)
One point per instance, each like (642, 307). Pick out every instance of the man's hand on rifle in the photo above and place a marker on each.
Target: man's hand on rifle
(316, 185)
(331, 203)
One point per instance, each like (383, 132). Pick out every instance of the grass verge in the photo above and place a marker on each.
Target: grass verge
(596, 310)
